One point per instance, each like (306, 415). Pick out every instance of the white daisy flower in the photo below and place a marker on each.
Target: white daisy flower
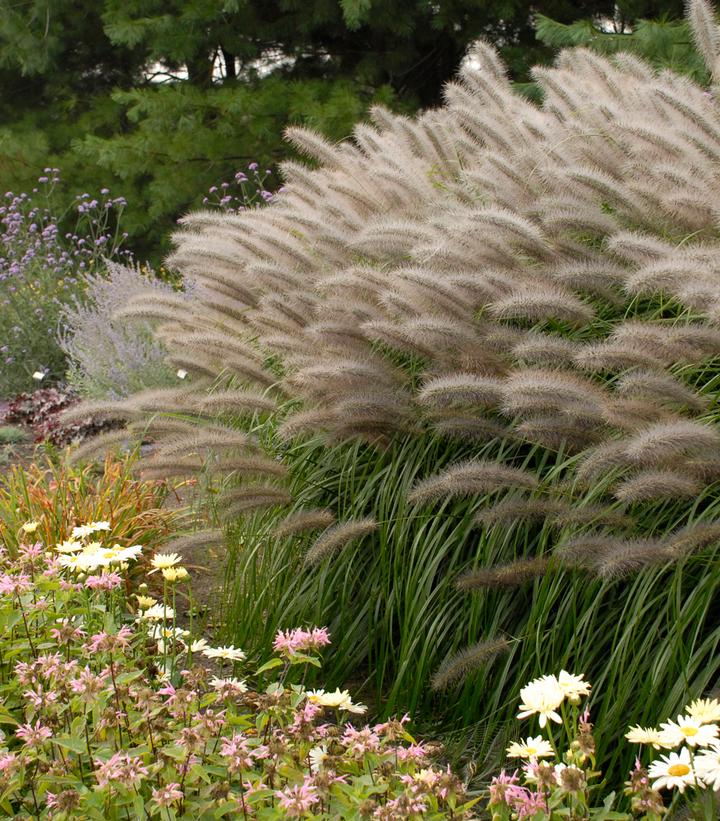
(158, 612)
(317, 755)
(83, 531)
(156, 631)
(198, 646)
(126, 554)
(707, 766)
(542, 696)
(82, 562)
(688, 729)
(673, 770)
(228, 653)
(234, 684)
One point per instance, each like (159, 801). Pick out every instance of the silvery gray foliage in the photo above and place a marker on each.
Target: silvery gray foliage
(110, 357)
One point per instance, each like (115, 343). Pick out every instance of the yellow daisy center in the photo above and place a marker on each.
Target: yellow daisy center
(689, 731)
(678, 769)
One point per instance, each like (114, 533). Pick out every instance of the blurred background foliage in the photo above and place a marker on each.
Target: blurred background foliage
(158, 101)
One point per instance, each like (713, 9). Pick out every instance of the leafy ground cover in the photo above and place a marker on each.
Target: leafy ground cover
(113, 711)
(110, 716)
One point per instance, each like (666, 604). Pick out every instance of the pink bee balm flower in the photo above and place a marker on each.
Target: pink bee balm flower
(8, 763)
(500, 785)
(415, 752)
(169, 691)
(31, 551)
(105, 581)
(39, 698)
(360, 742)
(526, 803)
(15, 585)
(297, 800)
(295, 641)
(167, 795)
(33, 736)
(107, 642)
(122, 768)
(237, 750)
(88, 683)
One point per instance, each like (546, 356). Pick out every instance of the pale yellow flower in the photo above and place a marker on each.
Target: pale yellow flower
(30, 527)
(161, 561)
(537, 747)
(573, 686)
(328, 699)
(339, 700)
(174, 574)
(705, 710)
(427, 777)
(645, 735)
(145, 602)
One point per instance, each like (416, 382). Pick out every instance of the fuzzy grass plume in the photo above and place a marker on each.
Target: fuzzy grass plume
(495, 300)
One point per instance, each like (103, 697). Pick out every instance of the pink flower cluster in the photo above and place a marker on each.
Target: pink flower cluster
(298, 800)
(104, 581)
(182, 741)
(292, 642)
(122, 768)
(506, 789)
(34, 735)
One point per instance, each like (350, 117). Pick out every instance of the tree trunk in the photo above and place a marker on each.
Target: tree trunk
(200, 70)
(230, 69)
